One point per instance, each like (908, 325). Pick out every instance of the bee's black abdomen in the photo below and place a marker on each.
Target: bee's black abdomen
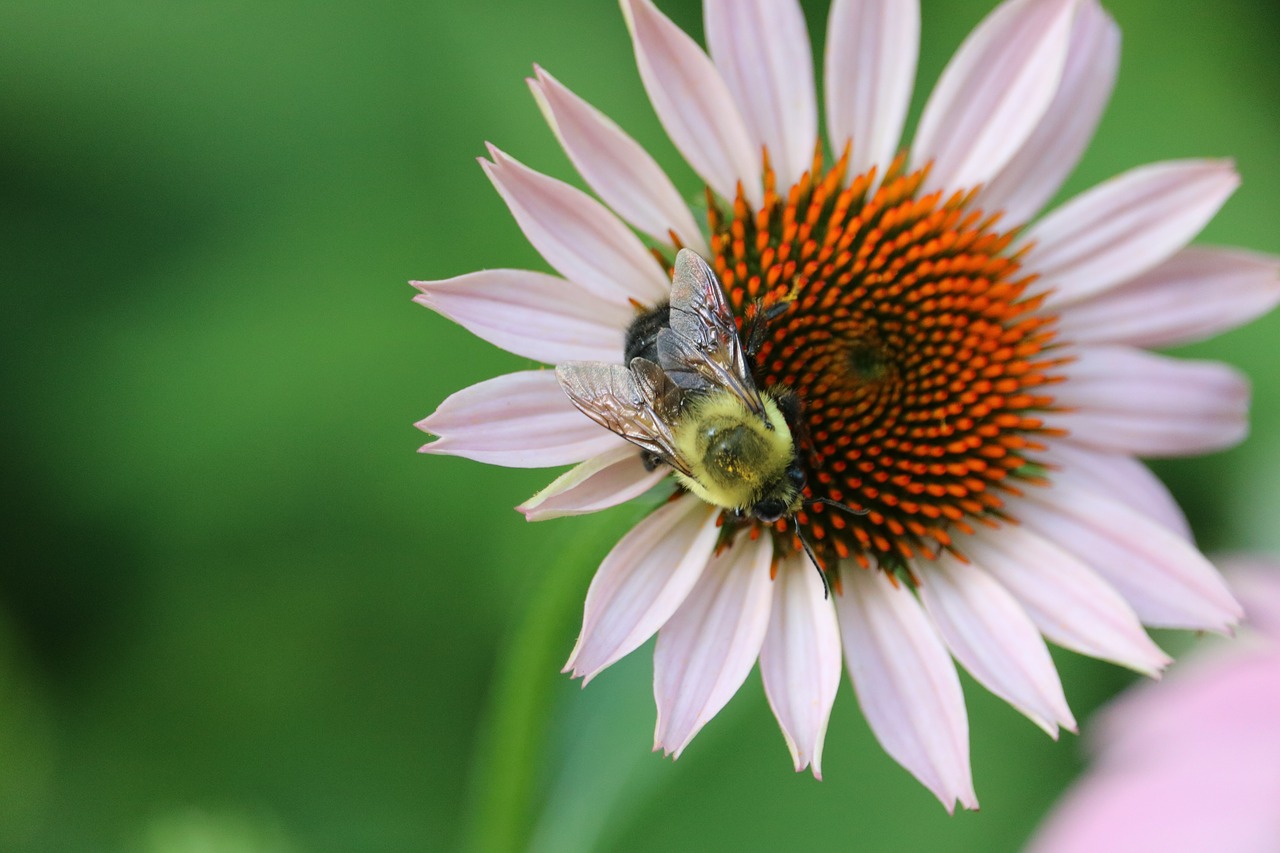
(642, 334)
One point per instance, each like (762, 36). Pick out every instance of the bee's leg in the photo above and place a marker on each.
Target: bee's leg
(759, 324)
(650, 460)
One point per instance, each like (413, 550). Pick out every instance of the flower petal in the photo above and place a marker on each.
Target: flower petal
(641, 583)
(906, 683)
(1166, 580)
(1121, 476)
(520, 420)
(872, 47)
(991, 635)
(1234, 694)
(1204, 801)
(1125, 226)
(693, 103)
(1068, 601)
(532, 314)
(992, 94)
(1196, 294)
(576, 234)
(800, 661)
(761, 48)
(1256, 582)
(603, 481)
(708, 647)
(1051, 152)
(616, 166)
(1130, 401)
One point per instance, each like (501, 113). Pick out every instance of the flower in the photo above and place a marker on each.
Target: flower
(970, 376)
(1192, 763)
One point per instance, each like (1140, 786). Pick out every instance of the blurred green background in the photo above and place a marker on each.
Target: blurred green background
(237, 612)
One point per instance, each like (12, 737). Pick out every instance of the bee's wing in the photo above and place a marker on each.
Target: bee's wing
(640, 404)
(701, 350)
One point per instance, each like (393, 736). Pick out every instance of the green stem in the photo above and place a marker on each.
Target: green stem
(509, 749)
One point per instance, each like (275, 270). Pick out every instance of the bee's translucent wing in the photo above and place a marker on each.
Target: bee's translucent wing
(700, 350)
(638, 403)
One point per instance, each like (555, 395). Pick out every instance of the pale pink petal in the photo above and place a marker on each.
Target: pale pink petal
(1068, 601)
(532, 314)
(577, 235)
(1256, 582)
(992, 94)
(1208, 802)
(800, 660)
(520, 420)
(906, 683)
(641, 583)
(616, 166)
(1196, 294)
(1119, 475)
(993, 638)
(709, 645)
(872, 46)
(1221, 698)
(1129, 401)
(1166, 580)
(1125, 226)
(693, 103)
(1051, 152)
(761, 48)
(601, 482)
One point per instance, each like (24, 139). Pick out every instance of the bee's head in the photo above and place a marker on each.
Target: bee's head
(785, 499)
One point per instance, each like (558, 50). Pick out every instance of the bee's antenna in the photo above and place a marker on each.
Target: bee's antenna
(826, 584)
(837, 505)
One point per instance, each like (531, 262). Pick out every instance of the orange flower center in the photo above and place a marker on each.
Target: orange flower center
(902, 323)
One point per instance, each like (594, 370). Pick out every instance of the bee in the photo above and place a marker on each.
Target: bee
(686, 397)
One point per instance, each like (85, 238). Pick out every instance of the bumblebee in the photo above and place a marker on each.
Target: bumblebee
(687, 398)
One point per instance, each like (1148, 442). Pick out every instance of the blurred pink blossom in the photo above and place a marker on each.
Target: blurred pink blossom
(1192, 763)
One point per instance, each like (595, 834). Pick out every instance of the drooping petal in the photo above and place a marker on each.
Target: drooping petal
(1125, 226)
(1166, 580)
(1068, 601)
(1119, 475)
(872, 47)
(519, 420)
(640, 584)
(800, 661)
(709, 645)
(603, 481)
(1129, 401)
(992, 636)
(616, 166)
(693, 103)
(532, 314)
(906, 684)
(761, 49)
(992, 94)
(1051, 152)
(577, 235)
(1196, 294)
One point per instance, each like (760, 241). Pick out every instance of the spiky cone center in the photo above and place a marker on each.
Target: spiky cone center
(920, 362)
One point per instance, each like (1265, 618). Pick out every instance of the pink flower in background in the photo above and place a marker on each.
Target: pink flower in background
(971, 377)
(1191, 764)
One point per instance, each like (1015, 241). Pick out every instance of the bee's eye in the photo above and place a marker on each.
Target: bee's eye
(796, 475)
(769, 510)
